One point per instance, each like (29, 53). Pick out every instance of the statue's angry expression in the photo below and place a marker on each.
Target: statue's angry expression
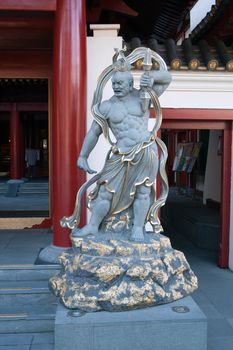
(122, 83)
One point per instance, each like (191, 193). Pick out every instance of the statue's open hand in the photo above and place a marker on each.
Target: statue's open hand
(146, 80)
(83, 164)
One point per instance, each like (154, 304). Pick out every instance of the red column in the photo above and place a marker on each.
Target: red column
(15, 144)
(223, 259)
(69, 111)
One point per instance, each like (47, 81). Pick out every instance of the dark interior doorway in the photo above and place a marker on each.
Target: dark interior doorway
(30, 98)
(24, 147)
(193, 184)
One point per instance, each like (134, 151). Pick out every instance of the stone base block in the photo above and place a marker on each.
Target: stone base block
(175, 326)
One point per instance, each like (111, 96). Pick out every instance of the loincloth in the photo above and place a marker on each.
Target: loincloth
(123, 172)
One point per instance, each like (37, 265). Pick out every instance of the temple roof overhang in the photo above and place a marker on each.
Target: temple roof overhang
(218, 23)
(201, 56)
(161, 19)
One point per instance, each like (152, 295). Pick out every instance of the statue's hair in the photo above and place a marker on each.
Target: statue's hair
(122, 65)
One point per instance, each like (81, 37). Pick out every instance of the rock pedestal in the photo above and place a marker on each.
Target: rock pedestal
(109, 272)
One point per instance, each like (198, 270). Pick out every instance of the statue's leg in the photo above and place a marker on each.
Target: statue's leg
(141, 206)
(99, 211)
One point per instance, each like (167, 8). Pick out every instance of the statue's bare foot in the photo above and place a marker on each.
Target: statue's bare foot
(137, 234)
(85, 231)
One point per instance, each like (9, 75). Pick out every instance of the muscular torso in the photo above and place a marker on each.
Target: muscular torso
(127, 121)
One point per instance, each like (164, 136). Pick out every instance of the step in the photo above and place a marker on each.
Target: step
(34, 186)
(3, 189)
(25, 293)
(27, 322)
(34, 193)
(24, 188)
(27, 305)
(33, 190)
(28, 272)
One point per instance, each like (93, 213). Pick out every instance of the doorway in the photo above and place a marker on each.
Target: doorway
(222, 130)
(24, 147)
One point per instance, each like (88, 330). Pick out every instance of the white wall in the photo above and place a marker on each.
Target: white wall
(100, 50)
(99, 55)
(202, 89)
(212, 183)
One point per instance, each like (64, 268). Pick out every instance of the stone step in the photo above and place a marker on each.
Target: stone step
(42, 185)
(3, 189)
(34, 192)
(28, 321)
(27, 189)
(25, 293)
(27, 305)
(27, 272)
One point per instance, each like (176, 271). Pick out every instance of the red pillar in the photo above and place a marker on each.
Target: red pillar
(223, 259)
(15, 144)
(69, 111)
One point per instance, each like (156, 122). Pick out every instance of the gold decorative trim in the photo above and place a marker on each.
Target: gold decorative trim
(13, 315)
(14, 289)
(229, 65)
(194, 64)
(175, 64)
(139, 64)
(212, 65)
(14, 266)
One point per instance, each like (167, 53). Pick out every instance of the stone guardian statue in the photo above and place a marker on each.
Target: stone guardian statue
(115, 264)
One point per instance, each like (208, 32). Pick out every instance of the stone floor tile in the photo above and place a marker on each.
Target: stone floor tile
(43, 338)
(222, 343)
(219, 328)
(15, 339)
(230, 320)
(210, 311)
(42, 347)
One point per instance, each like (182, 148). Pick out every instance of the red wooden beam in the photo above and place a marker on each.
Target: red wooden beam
(35, 21)
(25, 107)
(32, 107)
(26, 64)
(193, 124)
(196, 114)
(28, 5)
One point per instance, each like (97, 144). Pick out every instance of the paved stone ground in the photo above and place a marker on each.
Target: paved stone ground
(27, 341)
(214, 296)
(24, 203)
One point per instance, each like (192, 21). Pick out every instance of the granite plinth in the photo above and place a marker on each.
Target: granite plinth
(155, 328)
(109, 272)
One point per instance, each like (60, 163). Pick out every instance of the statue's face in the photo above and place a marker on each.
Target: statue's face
(122, 83)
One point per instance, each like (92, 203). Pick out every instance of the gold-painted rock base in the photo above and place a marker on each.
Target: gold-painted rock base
(111, 273)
